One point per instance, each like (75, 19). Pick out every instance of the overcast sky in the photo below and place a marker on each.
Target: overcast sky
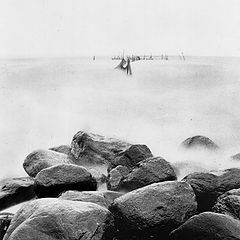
(52, 28)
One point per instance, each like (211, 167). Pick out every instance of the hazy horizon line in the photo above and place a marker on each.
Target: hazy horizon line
(110, 56)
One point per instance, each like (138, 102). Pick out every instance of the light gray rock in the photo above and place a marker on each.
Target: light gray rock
(41, 159)
(90, 149)
(115, 176)
(53, 219)
(103, 198)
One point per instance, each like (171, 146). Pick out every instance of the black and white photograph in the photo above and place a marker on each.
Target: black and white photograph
(120, 120)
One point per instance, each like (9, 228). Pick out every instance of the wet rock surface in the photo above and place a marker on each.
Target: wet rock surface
(147, 202)
(90, 149)
(151, 170)
(51, 181)
(229, 205)
(61, 219)
(205, 188)
(5, 220)
(16, 190)
(102, 198)
(115, 177)
(208, 226)
(228, 179)
(41, 159)
(154, 210)
(209, 186)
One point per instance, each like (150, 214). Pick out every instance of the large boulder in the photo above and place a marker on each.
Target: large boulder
(41, 159)
(205, 188)
(154, 210)
(131, 156)
(209, 186)
(235, 192)
(228, 205)
(54, 219)
(103, 198)
(15, 190)
(5, 220)
(199, 141)
(50, 182)
(92, 148)
(115, 177)
(228, 179)
(89, 148)
(151, 170)
(208, 226)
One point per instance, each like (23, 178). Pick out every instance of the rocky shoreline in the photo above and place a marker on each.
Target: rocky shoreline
(144, 198)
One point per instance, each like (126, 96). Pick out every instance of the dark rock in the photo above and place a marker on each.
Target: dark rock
(131, 156)
(199, 141)
(90, 149)
(151, 170)
(209, 186)
(235, 192)
(228, 179)
(154, 210)
(103, 198)
(50, 182)
(41, 159)
(208, 226)
(5, 220)
(205, 188)
(115, 176)
(228, 205)
(15, 190)
(54, 219)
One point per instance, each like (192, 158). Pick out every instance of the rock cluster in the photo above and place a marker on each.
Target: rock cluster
(209, 186)
(144, 200)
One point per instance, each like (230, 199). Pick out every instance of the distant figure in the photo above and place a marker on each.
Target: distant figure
(129, 70)
(183, 57)
(94, 58)
(121, 64)
(125, 66)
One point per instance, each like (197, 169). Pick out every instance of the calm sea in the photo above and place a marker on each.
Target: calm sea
(44, 102)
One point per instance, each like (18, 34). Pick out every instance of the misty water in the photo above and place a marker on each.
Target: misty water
(44, 102)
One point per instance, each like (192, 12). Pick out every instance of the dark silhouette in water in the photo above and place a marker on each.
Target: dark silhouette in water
(125, 65)
(121, 64)
(129, 70)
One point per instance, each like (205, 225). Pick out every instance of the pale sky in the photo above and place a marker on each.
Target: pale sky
(50, 28)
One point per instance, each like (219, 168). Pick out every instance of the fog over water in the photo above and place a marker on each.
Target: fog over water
(44, 102)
